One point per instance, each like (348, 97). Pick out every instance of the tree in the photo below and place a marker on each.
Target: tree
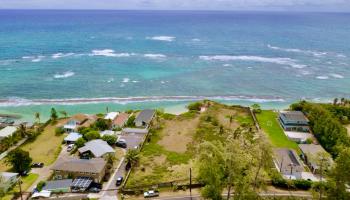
(59, 131)
(102, 124)
(256, 108)
(335, 101)
(339, 176)
(80, 142)
(264, 153)
(92, 135)
(211, 170)
(110, 139)
(19, 160)
(37, 117)
(195, 106)
(2, 182)
(22, 130)
(110, 158)
(64, 113)
(54, 115)
(131, 121)
(132, 156)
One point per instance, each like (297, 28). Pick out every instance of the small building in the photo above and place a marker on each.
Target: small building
(287, 163)
(144, 118)
(107, 132)
(79, 120)
(298, 137)
(7, 131)
(8, 180)
(135, 130)
(96, 148)
(294, 121)
(72, 137)
(120, 120)
(311, 153)
(94, 168)
(58, 186)
(111, 116)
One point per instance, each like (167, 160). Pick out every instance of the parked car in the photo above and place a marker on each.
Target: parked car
(38, 165)
(128, 166)
(121, 143)
(70, 147)
(24, 173)
(150, 193)
(119, 181)
(95, 190)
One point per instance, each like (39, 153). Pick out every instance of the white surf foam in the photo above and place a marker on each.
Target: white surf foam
(155, 56)
(64, 75)
(227, 65)
(108, 53)
(37, 58)
(280, 61)
(15, 101)
(196, 40)
(125, 80)
(310, 52)
(61, 55)
(337, 76)
(162, 38)
(322, 77)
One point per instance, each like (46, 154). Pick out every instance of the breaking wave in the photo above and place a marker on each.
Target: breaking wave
(162, 38)
(308, 52)
(64, 75)
(15, 101)
(155, 56)
(280, 61)
(61, 55)
(108, 53)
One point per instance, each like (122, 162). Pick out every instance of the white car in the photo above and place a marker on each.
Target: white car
(70, 147)
(150, 193)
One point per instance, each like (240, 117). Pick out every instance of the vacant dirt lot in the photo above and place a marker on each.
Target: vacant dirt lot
(178, 133)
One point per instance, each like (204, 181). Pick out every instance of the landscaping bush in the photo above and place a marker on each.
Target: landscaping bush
(302, 184)
(40, 185)
(130, 122)
(110, 139)
(80, 142)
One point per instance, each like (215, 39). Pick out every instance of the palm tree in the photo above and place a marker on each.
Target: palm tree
(335, 101)
(22, 130)
(37, 117)
(132, 156)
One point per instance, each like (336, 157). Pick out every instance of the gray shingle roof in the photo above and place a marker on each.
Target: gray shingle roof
(95, 165)
(97, 147)
(145, 116)
(294, 116)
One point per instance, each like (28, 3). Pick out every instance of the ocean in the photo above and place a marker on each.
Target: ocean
(85, 61)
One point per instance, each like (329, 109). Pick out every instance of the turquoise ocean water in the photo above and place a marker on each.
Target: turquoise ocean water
(84, 61)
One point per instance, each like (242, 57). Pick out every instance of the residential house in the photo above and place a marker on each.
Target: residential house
(107, 132)
(111, 116)
(8, 180)
(72, 137)
(120, 120)
(311, 155)
(96, 148)
(144, 118)
(287, 163)
(294, 121)
(94, 168)
(7, 131)
(58, 186)
(79, 120)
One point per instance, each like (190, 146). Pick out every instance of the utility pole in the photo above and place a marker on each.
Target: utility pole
(191, 183)
(20, 187)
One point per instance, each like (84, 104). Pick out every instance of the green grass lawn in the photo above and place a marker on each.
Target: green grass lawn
(26, 183)
(270, 125)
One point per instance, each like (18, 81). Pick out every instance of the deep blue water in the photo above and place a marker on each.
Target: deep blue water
(228, 55)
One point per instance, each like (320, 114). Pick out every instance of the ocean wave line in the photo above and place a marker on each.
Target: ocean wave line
(15, 101)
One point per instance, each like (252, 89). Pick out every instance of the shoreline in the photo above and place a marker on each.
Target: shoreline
(27, 111)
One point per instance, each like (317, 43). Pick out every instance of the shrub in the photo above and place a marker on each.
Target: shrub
(92, 135)
(302, 184)
(59, 131)
(110, 139)
(195, 106)
(80, 142)
(40, 185)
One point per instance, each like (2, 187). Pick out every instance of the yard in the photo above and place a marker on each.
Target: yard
(270, 125)
(26, 183)
(172, 148)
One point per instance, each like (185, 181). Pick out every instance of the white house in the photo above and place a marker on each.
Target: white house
(111, 116)
(72, 137)
(7, 131)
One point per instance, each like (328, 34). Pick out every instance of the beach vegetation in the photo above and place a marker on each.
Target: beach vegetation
(196, 106)
(256, 108)
(59, 131)
(53, 115)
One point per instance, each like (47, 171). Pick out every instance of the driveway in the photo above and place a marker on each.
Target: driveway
(110, 189)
